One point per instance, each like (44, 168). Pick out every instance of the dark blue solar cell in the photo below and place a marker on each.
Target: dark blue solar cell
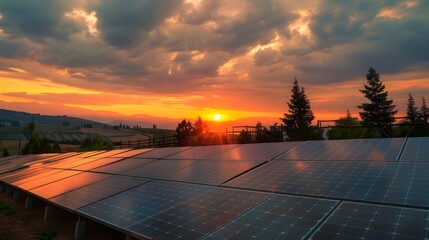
(279, 217)
(391, 182)
(132, 206)
(210, 171)
(385, 149)
(200, 215)
(369, 221)
(97, 191)
(259, 152)
(416, 149)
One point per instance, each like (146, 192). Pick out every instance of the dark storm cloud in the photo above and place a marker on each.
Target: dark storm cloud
(207, 10)
(338, 22)
(350, 37)
(37, 20)
(177, 46)
(13, 49)
(257, 24)
(125, 24)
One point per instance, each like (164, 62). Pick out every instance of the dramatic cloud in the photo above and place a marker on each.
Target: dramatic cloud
(212, 54)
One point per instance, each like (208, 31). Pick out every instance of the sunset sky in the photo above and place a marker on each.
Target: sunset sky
(181, 59)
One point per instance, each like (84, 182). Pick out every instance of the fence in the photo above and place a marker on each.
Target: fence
(160, 142)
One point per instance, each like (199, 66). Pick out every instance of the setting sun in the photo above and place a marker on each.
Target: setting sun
(217, 117)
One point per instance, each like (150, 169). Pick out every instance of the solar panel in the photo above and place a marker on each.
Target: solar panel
(159, 153)
(21, 174)
(132, 153)
(210, 171)
(32, 176)
(279, 217)
(61, 157)
(127, 208)
(202, 152)
(97, 163)
(158, 169)
(40, 181)
(71, 162)
(96, 191)
(369, 221)
(416, 149)
(123, 165)
(386, 149)
(259, 151)
(390, 182)
(198, 216)
(67, 184)
(16, 162)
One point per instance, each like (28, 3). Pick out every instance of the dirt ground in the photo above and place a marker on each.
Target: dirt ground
(25, 223)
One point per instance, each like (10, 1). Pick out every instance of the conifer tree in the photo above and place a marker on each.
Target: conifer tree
(424, 111)
(300, 114)
(412, 112)
(380, 110)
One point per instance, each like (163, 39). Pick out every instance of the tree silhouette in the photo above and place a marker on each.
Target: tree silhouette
(412, 112)
(424, 111)
(300, 114)
(184, 131)
(380, 110)
(200, 127)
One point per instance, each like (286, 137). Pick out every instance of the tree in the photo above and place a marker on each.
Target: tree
(412, 112)
(380, 110)
(200, 127)
(300, 114)
(95, 143)
(184, 131)
(424, 111)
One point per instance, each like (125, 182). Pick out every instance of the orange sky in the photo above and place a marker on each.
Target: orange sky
(237, 59)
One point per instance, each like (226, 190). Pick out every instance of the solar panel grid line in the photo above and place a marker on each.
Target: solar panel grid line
(26, 179)
(160, 153)
(372, 182)
(97, 191)
(67, 184)
(201, 152)
(357, 150)
(208, 171)
(279, 217)
(417, 149)
(374, 221)
(123, 165)
(323, 220)
(238, 216)
(199, 215)
(243, 173)
(149, 199)
(57, 176)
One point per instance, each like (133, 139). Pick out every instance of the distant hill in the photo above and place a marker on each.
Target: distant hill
(24, 118)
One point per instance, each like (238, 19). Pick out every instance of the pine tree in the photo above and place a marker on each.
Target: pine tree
(412, 112)
(380, 110)
(424, 111)
(300, 114)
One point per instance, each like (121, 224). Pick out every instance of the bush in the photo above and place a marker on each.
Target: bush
(95, 143)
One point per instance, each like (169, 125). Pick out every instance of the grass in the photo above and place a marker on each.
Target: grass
(157, 132)
(6, 209)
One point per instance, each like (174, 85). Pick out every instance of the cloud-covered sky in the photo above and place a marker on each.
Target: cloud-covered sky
(178, 58)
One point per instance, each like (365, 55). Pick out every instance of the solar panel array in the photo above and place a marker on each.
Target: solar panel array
(342, 189)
